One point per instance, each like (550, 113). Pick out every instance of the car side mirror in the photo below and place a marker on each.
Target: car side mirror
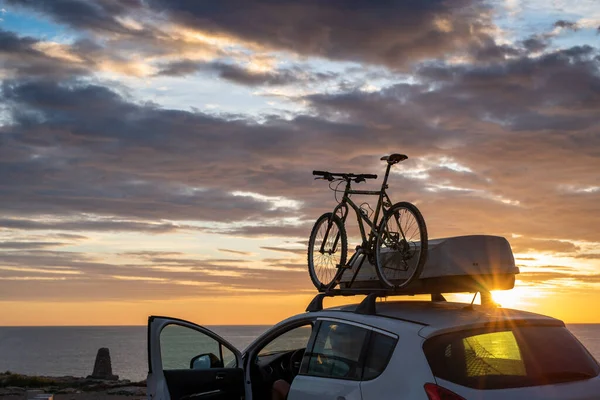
(206, 361)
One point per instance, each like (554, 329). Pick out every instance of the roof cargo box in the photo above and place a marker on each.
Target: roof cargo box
(455, 264)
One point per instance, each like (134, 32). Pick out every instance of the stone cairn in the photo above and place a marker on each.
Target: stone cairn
(103, 366)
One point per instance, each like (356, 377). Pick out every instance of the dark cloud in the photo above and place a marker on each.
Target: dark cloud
(84, 14)
(199, 264)
(98, 127)
(11, 43)
(65, 235)
(150, 253)
(242, 76)
(151, 162)
(545, 276)
(392, 32)
(87, 226)
(518, 128)
(91, 150)
(284, 250)
(106, 34)
(242, 253)
(589, 256)
(77, 276)
(523, 245)
(515, 92)
(181, 68)
(29, 245)
(535, 44)
(20, 57)
(566, 25)
(523, 127)
(506, 143)
(490, 51)
(272, 231)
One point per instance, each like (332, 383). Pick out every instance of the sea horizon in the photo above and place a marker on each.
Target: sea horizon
(71, 350)
(205, 325)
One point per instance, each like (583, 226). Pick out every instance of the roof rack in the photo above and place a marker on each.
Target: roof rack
(368, 305)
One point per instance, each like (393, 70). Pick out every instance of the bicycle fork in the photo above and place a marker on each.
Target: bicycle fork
(344, 213)
(326, 238)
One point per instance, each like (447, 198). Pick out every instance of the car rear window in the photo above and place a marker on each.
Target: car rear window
(509, 357)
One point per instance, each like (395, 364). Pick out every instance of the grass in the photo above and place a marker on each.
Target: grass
(9, 379)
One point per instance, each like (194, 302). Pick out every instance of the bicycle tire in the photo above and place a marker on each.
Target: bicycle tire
(325, 271)
(396, 270)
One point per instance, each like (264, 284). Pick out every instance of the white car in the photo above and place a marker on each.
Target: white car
(426, 350)
(385, 350)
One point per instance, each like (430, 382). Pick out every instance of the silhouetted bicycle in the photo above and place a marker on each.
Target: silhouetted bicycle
(396, 245)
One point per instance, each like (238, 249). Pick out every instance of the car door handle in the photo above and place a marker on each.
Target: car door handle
(197, 395)
(220, 376)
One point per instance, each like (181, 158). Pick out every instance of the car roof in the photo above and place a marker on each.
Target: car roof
(443, 317)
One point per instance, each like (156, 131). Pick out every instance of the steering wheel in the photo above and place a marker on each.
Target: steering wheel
(295, 361)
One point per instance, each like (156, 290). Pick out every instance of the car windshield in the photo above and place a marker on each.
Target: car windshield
(509, 357)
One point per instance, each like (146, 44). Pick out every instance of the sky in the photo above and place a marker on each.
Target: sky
(156, 155)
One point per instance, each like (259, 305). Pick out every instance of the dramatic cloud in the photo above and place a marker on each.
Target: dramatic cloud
(592, 256)
(243, 76)
(155, 278)
(28, 57)
(241, 253)
(29, 245)
(87, 225)
(501, 132)
(83, 14)
(566, 25)
(391, 33)
(531, 120)
(522, 245)
(546, 276)
(285, 250)
(165, 164)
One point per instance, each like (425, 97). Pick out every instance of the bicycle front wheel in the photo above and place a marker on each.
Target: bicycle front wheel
(401, 243)
(327, 248)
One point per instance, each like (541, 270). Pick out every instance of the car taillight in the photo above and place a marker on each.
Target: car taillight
(435, 392)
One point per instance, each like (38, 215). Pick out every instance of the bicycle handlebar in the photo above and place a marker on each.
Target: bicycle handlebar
(349, 176)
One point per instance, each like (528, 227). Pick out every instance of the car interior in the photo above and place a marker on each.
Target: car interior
(279, 358)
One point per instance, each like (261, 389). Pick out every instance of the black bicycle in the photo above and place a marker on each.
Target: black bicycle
(396, 245)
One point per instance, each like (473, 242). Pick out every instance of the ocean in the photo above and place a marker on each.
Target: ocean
(60, 351)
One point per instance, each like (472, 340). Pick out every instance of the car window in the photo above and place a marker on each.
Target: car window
(509, 358)
(186, 348)
(337, 351)
(379, 352)
(294, 339)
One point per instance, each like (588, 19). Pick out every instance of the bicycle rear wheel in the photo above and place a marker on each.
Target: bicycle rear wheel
(327, 248)
(401, 246)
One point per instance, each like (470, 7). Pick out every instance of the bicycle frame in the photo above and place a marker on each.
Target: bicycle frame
(383, 203)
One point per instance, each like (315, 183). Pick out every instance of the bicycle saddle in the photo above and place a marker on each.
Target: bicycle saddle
(394, 158)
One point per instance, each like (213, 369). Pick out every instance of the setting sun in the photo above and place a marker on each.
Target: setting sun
(509, 298)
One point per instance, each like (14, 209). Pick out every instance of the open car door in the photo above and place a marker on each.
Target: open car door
(189, 362)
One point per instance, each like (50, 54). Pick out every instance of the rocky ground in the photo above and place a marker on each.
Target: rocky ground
(21, 387)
